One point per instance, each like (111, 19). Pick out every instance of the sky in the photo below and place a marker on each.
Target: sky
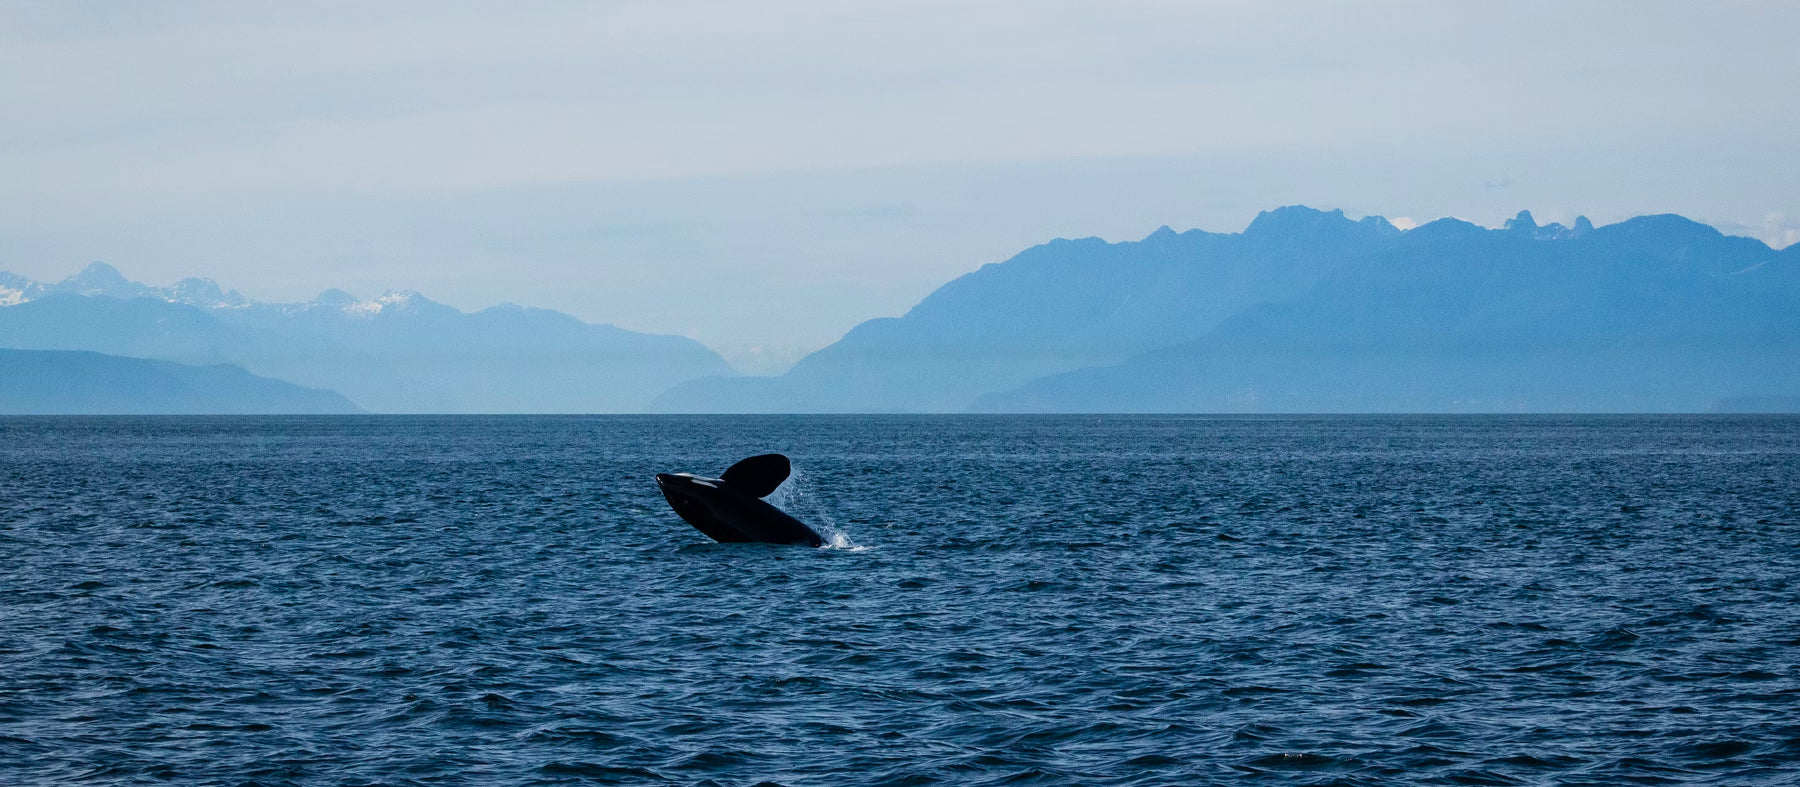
(763, 176)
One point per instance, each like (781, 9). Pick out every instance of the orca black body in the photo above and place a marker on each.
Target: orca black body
(730, 510)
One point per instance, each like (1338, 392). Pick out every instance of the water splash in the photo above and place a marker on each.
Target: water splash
(793, 496)
(789, 495)
(838, 539)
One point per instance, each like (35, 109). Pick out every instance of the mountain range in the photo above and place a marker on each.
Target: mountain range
(399, 353)
(1060, 306)
(64, 382)
(1654, 314)
(1309, 310)
(1303, 311)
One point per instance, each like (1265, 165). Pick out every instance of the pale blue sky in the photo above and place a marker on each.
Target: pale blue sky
(765, 175)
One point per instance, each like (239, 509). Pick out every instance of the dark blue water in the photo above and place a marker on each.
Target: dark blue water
(363, 600)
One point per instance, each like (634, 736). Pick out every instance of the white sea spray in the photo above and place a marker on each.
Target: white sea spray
(794, 496)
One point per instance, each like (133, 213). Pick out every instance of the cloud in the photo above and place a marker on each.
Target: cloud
(531, 152)
(199, 100)
(1778, 232)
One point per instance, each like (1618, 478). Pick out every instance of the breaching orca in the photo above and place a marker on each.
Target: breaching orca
(729, 509)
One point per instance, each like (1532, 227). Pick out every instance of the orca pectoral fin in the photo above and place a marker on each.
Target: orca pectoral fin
(759, 475)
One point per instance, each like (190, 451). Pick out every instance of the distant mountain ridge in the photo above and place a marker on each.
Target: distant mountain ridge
(100, 279)
(1064, 305)
(1657, 313)
(1303, 311)
(59, 382)
(400, 352)
(1309, 310)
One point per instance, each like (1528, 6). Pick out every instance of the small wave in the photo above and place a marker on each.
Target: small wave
(546, 620)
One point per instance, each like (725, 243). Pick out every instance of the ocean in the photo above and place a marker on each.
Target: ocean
(1007, 600)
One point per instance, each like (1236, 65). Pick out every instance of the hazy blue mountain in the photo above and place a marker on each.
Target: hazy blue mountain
(137, 327)
(1064, 305)
(52, 382)
(397, 353)
(101, 279)
(404, 353)
(1653, 314)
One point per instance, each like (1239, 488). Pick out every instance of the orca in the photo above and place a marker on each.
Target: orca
(730, 509)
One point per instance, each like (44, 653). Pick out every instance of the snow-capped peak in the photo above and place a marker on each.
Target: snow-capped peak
(16, 289)
(392, 301)
(204, 293)
(102, 280)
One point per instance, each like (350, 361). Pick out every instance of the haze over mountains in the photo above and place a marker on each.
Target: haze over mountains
(1311, 311)
(398, 353)
(1064, 305)
(1304, 311)
(71, 382)
(1653, 314)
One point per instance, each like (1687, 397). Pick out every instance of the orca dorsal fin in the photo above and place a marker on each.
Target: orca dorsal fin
(758, 475)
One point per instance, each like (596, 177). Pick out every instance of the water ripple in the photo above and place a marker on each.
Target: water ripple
(1123, 601)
